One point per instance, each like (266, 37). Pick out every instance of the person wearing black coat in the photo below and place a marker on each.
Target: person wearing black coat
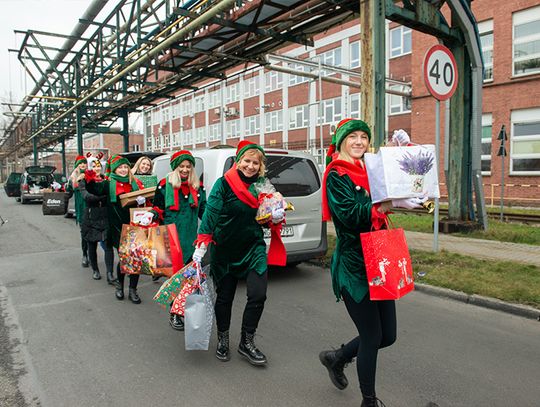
(94, 228)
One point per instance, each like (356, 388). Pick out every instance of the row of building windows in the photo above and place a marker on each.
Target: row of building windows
(525, 43)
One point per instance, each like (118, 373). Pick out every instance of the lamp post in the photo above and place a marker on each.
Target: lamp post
(502, 153)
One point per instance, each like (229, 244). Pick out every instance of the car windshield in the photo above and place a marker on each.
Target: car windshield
(292, 176)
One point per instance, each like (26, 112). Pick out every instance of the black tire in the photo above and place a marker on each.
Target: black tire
(293, 263)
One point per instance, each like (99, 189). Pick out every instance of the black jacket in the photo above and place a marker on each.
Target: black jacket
(95, 221)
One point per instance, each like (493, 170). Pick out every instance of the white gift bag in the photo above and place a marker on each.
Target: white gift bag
(402, 172)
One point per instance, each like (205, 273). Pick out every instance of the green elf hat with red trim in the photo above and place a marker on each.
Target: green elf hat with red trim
(344, 128)
(246, 145)
(80, 159)
(180, 156)
(114, 162)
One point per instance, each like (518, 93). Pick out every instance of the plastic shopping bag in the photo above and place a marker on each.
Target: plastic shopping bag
(199, 317)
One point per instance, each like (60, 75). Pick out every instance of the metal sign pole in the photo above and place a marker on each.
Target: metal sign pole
(437, 146)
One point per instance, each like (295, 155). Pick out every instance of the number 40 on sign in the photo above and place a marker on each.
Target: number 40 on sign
(440, 72)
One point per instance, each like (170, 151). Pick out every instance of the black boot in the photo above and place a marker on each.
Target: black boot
(133, 296)
(175, 321)
(371, 401)
(222, 350)
(248, 349)
(85, 261)
(110, 278)
(334, 361)
(96, 275)
(119, 293)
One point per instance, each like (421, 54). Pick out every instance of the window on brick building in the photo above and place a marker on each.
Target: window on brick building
(200, 135)
(332, 58)
(252, 125)
(199, 103)
(298, 117)
(525, 142)
(273, 121)
(355, 106)
(251, 86)
(398, 104)
(526, 34)
(400, 41)
(332, 110)
(355, 54)
(273, 81)
(188, 137)
(297, 79)
(166, 115)
(232, 93)
(214, 132)
(486, 143)
(188, 107)
(214, 99)
(232, 128)
(485, 28)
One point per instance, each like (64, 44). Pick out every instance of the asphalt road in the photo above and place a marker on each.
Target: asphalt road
(66, 341)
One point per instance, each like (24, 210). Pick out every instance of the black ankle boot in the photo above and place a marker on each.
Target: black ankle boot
(110, 278)
(334, 361)
(85, 261)
(371, 401)
(248, 349)
(175, 321)
(96, 275)
(133, 296)
(119, 293)
(222, 350)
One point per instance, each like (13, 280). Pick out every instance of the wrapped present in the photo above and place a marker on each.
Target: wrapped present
(402, 172)
(141, 216)
(190, 284)
(148, 181)
(151, 250)
(269, 200)
(169, 290)
(130, 198)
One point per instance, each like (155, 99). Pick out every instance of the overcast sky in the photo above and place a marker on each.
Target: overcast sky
(58, 16)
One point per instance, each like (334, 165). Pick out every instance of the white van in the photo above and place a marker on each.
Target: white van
(294, 174)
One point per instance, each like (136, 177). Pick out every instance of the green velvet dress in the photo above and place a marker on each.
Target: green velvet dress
(351, 213)
(185, 219)
(80, 204)
(239, 245)
(118, 215)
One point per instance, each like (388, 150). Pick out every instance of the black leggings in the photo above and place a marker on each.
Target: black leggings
(92, 255)
(256, 296)
(376, 324)
(84, 245)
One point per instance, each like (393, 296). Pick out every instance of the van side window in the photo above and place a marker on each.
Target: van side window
(292, 176)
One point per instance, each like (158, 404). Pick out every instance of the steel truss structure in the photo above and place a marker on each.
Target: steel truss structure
(144, 50)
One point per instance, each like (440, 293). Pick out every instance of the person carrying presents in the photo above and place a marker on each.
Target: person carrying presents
(120, 181)
(81, 164)
(239, 251)
(346, 200)
(180, 199)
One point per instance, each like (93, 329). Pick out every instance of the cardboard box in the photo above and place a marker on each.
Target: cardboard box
(136, 213)
(130, 199)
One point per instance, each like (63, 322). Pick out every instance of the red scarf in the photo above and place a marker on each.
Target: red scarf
(277, 255)
(358, 175)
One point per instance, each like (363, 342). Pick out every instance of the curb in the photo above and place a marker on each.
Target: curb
(478, 300)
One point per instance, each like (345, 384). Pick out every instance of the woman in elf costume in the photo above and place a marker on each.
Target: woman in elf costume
(81, 164)
(239, 251)
(120, 181)
(180, 199)
(346, 199)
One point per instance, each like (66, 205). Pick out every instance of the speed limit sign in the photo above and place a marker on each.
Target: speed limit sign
(440, 72)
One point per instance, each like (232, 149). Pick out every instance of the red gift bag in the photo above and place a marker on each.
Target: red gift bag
(388, 264)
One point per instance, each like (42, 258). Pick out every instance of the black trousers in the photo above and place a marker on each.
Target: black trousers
(84, 245)
(256, 296)
(109, 256)
(376, 324)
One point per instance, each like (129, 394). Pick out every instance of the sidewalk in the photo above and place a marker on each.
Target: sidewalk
(485, 249)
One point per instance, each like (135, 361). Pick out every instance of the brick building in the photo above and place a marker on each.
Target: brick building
(284, 110)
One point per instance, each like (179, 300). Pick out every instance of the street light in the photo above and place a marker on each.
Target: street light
(502, 153)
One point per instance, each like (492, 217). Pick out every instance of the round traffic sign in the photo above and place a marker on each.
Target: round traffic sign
(440, 72)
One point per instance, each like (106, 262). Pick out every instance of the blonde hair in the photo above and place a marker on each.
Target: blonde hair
(260, 156)
(135, 168)
(175, 179)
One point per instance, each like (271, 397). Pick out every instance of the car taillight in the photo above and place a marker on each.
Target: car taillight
(25, 187)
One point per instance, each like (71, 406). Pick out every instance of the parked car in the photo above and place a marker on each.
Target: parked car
(294, 174)
(13, 184)
(34, 180)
